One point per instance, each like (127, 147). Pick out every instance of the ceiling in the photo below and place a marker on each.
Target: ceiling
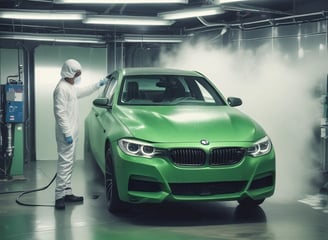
(238, 14)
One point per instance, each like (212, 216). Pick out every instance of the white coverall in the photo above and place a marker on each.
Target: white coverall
(67, 124)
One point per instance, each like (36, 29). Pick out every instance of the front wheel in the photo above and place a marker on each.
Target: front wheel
(114, 204)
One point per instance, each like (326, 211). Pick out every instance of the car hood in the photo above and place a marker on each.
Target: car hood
(189, 123)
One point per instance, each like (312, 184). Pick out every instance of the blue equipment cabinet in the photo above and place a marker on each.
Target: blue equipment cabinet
(15, 103)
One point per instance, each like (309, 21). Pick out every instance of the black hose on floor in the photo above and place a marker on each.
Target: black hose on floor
(34, 190)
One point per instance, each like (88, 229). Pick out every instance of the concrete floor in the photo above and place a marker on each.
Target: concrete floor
(303, 218)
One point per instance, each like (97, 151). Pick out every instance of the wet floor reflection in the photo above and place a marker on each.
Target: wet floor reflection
(192, 214)
(317, 201)
(300, 220)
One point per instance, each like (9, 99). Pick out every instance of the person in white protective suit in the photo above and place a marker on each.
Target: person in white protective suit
(66, 108)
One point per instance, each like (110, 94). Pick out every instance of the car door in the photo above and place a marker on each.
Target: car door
(98, 127)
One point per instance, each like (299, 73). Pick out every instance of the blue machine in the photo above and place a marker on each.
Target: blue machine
(14, 103)
(11, 128)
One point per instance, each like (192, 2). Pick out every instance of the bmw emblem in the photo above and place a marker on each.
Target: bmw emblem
(204, 142)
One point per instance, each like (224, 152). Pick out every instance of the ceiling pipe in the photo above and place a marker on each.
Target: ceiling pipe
(280, 20)
(323, 13)
(207, 24)
(272, 22)
(244, 7)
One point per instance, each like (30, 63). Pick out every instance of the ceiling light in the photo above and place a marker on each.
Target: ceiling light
(69, 38)
(152, 38)
(126, 20)
(224, 30)
(230, 1)
(118, 1)
(192, 12)
(42, 15)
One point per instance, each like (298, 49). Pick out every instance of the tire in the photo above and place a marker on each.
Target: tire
(114, 204)
(250, 202)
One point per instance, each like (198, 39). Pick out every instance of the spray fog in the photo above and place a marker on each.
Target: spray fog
(277, 92)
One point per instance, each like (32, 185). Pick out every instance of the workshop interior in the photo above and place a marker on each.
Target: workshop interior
(270, 53)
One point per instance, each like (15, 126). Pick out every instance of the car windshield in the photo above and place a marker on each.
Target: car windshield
(168, 90)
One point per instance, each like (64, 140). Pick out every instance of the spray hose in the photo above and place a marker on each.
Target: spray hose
(35, 190)
(18, 201)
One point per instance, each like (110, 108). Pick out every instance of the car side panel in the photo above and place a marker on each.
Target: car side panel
(97, 133)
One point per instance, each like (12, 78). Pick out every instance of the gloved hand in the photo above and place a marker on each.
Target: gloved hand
(69, 140)
(102, 82)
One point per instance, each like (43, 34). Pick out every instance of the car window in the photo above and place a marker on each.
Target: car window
(109, 89)
(168, 90)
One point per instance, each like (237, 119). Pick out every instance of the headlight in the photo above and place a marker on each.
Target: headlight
(260, 148)
(137, 148)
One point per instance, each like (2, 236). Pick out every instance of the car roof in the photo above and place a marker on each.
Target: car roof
(157, 70)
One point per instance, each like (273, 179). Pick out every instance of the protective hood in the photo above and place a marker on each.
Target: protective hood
(69, 68)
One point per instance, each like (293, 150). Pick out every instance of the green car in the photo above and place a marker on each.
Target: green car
(169, 135)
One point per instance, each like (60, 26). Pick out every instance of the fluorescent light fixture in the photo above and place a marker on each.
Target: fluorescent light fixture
(230, 1)
(191, 12)
(126, 20)
(68, 38)
(152, 38)
(119, 1)
(224, 30)
(42, 15)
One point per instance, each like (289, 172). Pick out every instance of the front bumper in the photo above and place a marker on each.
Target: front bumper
(145, 180)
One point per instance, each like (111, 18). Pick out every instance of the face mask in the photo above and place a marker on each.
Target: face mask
(77, 80)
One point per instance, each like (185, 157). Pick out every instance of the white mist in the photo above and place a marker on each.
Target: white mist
(277, 92)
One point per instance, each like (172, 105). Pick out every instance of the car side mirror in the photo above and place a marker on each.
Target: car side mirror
(234, 101)
(102, 102)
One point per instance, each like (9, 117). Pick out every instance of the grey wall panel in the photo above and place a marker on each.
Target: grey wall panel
(9, 61)
(48, 63)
